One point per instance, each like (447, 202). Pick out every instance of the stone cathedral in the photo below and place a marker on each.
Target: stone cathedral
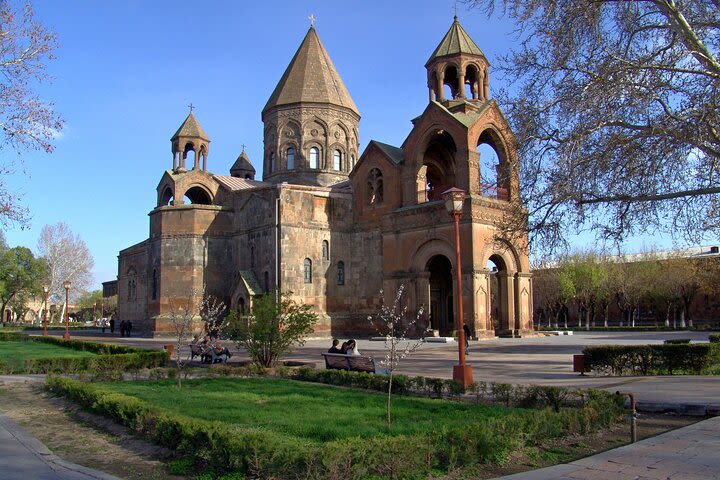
(335, 226)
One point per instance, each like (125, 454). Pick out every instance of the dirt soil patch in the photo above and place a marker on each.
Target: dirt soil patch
(96, 442)
(82, 438)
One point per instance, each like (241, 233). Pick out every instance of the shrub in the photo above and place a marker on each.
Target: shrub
(651, 359)
(714, 338)
(502, 392)
(677, 341)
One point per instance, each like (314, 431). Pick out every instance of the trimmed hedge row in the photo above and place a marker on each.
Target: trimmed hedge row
(667, 359)
(262, 454)
(640, 328)
(532, 396)
(714, 338)
(110, 361)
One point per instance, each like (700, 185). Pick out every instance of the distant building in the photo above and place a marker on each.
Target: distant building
(336, 227)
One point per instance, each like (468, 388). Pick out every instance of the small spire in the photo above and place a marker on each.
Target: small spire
(191, 107)
(312, 20)
(455, 8)
(243, 146)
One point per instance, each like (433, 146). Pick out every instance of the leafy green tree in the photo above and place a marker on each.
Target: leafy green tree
(546, 282)
(587, 274)
(20, 274)
(277, 324)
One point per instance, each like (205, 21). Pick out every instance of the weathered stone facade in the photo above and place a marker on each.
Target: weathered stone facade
(335, 228)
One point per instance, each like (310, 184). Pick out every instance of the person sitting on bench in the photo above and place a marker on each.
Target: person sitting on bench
(351, 348)
(334, 348)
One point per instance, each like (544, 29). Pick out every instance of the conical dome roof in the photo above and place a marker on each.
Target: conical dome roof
(190, 128)
(242, 164)
(456, 41)
(311, 77)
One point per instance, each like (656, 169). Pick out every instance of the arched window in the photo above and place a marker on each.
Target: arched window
(337, 160)
(272, 161)
(375, 187)
(266, 281)
(325, 250)
(290, 158)
(341, 273)
(154, 285)
(314, 154)
(307, 270)
(197, 196)
(252, 256)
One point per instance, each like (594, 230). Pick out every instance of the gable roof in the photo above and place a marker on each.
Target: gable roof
(311, 77)
(251, 283)
(190, 128)
(237, 183)
(455, 42)
(393, 153)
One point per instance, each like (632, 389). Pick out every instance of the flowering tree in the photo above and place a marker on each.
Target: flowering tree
(183, 313)
(394, 323)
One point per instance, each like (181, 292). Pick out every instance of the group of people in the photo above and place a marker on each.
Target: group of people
(347, 348)
(125, 326)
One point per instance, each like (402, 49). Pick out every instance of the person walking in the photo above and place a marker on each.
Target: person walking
(128, 328)
(112, 324)
(122, 328)
(103, 324)
(466, 330)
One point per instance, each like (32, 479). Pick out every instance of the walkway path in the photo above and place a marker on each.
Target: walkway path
(688, 453)
(22, 456)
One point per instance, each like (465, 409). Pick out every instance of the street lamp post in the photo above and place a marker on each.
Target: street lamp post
(454, 201)
(66, 284)
(46, 291)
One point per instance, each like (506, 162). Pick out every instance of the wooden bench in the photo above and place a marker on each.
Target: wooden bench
(356, 363)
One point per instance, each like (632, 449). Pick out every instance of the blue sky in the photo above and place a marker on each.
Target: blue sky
(126, 71)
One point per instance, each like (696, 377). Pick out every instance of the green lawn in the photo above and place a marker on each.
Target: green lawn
(13, 354)
(313, 412)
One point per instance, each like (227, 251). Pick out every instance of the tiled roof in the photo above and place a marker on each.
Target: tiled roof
(394, 153)
(311, 77)
(242, 163)
(237, 183)
(190, 128)
(251, 283)
(456, 41)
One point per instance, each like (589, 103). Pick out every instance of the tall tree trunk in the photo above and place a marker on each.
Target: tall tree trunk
(682, 318)
(607, 312)
(674, 317)
(667, 315)
(62, 312)
(389, 394)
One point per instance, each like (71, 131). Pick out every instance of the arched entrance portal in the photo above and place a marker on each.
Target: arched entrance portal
(499, 297)
(441, 295)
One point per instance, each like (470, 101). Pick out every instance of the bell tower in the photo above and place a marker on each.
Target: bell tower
(459, 64)
(190, 137)
(311, 122)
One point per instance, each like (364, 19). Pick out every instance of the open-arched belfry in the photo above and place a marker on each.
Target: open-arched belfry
(335, 227)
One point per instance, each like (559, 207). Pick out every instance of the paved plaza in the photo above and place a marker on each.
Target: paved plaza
(533, 360)
(689, 453)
